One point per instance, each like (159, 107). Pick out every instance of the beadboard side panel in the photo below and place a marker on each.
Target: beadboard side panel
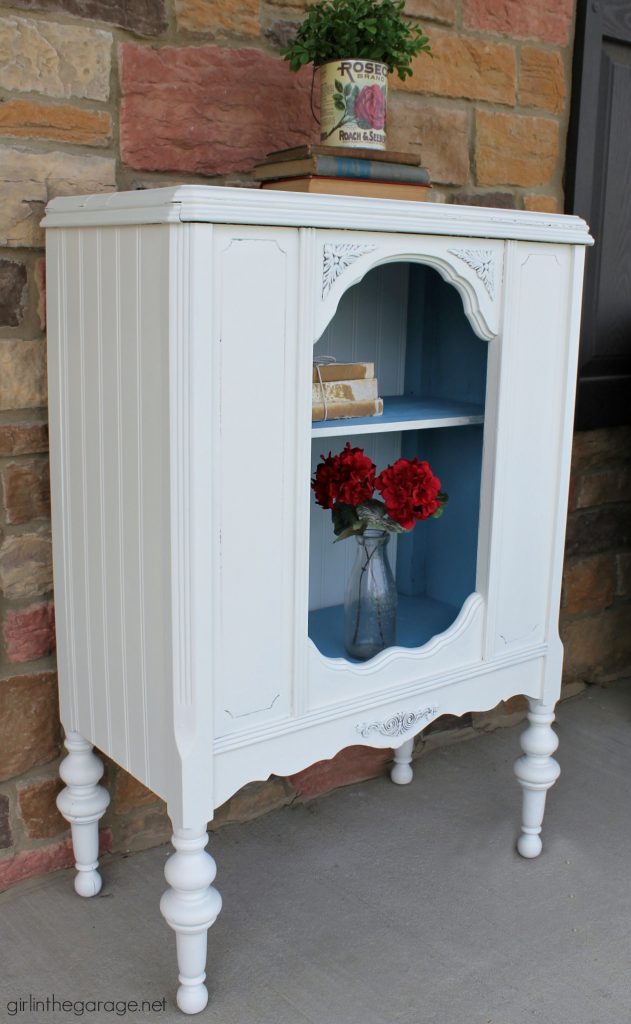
(108, 349)
(255, 487)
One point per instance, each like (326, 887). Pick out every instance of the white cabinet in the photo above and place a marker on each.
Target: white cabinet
(197, 587)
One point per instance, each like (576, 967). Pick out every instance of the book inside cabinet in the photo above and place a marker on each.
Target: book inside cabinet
(431, 369)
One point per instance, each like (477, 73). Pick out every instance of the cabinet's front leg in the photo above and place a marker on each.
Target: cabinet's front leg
(401, 771)
(190, 906)
(537, 770)
(83, 803)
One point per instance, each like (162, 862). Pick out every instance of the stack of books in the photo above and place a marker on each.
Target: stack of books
(344, 391)
(332, 170)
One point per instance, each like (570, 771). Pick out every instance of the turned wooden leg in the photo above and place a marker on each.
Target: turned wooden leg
(401, 771)
(83, 803)
(190, 906)
(537, 771)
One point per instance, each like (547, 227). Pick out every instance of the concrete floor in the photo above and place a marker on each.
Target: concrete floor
(377, 904)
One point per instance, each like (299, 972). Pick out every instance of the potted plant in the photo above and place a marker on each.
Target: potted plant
(356, 44)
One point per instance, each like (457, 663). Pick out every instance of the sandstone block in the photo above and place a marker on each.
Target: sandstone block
(23, 438)
(508, 712)
(354, 764)
(609, 485)
(281, 31)
(28, 120)
(143, 17)
(216, 17)
(446, 723)
(28, 180)
(440, 134)
(6, 839)
(432, 10)
(31, 863)
(542, 79)
(598, 648)
(498, 200)
(12, 289)
(26, 565)
(43, 860)
(38, 810)
(26, 490)
(209, 110)
(589, 585)
(515, 150)
(58, 60)
(22, 374)
(539, 19)
(595, 448)
(40, 284)
(542, 204)
(590, 531)
(29, 723)
(464, 67)
(29, 633)
(130, 793)
(253, 800)
(142, 829)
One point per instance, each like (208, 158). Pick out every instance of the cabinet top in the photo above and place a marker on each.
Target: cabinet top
(222, 205)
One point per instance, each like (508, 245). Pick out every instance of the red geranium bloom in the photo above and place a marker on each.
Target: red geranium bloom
(409, 490)
(348, 478)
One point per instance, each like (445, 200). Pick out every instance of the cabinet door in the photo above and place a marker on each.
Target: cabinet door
(253, 473)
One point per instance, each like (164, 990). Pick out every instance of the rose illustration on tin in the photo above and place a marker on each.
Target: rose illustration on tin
(370, 107)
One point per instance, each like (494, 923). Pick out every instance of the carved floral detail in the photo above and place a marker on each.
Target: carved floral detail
(399, 724)
(337, 258)
(482, 262)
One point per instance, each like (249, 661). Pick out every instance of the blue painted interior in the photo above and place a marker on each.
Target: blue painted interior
(418, 620)
(445, 368)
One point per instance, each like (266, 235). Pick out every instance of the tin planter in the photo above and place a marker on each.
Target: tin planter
(354, 95)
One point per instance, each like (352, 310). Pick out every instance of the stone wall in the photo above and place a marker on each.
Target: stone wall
(104, 94)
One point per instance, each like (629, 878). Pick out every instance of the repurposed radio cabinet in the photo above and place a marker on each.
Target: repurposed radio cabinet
(197, 587)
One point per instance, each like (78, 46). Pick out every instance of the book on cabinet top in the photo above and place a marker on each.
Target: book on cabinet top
(355, 152)
(350, 187)
(325, 165)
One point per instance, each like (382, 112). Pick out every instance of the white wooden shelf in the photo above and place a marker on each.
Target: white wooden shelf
(400, 412)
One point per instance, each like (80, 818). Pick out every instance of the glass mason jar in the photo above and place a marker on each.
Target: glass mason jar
(370, 604)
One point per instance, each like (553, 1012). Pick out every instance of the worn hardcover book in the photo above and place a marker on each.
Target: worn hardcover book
(351, 187)
(357, 152)
(345, 391)
(347, 410)
(343, 371)
(342, 167)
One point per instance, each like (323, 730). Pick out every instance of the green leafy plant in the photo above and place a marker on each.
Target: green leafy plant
(367, 29)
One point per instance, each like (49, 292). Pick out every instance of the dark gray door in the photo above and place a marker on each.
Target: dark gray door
(598, 188)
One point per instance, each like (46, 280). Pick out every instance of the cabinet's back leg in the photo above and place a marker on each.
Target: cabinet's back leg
(401, 771)
(537, 771)
(190, 906)
(83, 803)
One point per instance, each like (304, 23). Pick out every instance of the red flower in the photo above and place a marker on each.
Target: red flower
(370, 107)
(409, 490)
(348, 478)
